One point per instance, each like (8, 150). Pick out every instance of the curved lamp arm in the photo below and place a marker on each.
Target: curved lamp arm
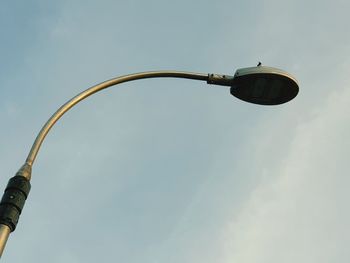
(18, 187)
(62, 110)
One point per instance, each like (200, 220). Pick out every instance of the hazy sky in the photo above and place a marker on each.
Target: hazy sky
(170, 170)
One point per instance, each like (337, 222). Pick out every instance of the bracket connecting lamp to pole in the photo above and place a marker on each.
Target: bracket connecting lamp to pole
(259, 85)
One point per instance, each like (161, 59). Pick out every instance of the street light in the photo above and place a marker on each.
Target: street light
(259, 85)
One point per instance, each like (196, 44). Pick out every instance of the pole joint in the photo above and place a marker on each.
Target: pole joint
(218, 79)
(13, 200)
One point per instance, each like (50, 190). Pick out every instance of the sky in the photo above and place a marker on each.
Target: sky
(170, 170)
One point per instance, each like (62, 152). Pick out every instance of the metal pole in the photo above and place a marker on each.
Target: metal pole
(18, 188)
(4, 235)
(68, 105)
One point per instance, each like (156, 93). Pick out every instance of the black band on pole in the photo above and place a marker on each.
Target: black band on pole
(13, 200)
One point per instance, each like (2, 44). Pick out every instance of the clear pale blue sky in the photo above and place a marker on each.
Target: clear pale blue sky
(175, 170)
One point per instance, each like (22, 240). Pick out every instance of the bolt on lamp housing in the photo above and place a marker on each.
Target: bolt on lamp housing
(264, 85)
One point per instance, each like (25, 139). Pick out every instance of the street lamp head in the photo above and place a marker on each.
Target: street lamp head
(264, 85)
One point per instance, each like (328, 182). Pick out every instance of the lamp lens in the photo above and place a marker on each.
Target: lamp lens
(258, 88)
(266, 89)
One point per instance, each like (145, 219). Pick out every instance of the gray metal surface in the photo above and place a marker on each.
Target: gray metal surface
(25, 170)
(4, 235)
(64, 108)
